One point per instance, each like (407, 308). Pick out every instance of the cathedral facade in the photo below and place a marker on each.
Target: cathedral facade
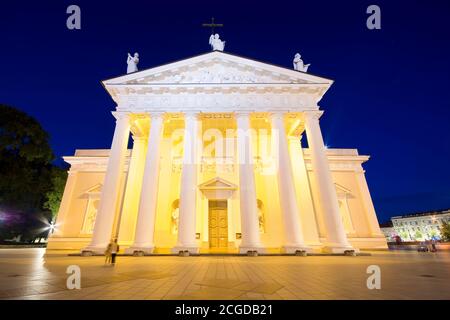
(218, 163)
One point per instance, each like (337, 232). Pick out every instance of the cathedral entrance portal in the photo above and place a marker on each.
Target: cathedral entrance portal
(218, 224)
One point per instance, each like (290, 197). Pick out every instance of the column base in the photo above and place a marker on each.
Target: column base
(140, 250)
(185, 249)
(292, 249)
(316, 247)
(93, 250)
(339, 249)
(247, 249)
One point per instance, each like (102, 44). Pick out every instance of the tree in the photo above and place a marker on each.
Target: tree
(445, 231)
(418, 235)
(25, 170)
(25, 160)
(54, 196)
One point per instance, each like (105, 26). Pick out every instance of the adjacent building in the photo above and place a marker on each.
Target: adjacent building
(416, 227)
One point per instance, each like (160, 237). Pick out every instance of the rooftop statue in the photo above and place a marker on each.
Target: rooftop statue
(298, 64)
(132, 63)
(216, 43)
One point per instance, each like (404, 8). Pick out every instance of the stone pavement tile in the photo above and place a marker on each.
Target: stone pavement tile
(159, 293)
(246, 286)
(148, 275)
(57, 282)
(220, 283)
(11, 293)
(91, 282)
(18, 292)
(207, 294)
(286, 294)
(113, 278)
(46, 289)
(404, 275)
(267, 288)
(274, 296)
(140, 296)
(252, 296)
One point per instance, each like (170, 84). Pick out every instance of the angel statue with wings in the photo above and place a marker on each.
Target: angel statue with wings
(216, 43)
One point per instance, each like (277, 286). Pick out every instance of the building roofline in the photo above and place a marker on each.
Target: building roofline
(226, 53)
(422, 214)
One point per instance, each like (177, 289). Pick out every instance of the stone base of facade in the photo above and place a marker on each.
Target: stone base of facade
(91, 250)
(183, 250)
(336, 249)
(247, 250)
(369, 243)
(140, 250)
(63, 243)
(296, 250)
(78, 244)
(315, 247)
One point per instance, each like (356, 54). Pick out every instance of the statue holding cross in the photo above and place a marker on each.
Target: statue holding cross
(214, 39)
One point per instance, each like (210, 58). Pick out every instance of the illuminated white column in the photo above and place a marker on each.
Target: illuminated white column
(336, 238)
(368, 205)
(130, 207)
(247, 189)
(145, 225)
(304, 195)
(286, 189)
(188, 189)
(108, 202)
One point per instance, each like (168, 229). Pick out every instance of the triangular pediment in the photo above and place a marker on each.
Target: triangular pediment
(217, 68)
(94, 189)
(217, 184)
(341, 189)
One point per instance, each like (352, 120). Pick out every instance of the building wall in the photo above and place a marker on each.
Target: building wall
(84, 181)
(389, 233)
(420, 227)
(68, 233)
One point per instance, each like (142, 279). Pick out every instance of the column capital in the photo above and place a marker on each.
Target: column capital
(157, 115)
(312, 114)
(294, 138)
(138, 138)
(121, 115)
(191, 114)
(277, 115)
(242, 114)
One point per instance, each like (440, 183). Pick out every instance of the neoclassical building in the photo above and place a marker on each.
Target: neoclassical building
(216, 164)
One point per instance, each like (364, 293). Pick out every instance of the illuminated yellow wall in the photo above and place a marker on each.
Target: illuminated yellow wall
(73, 207)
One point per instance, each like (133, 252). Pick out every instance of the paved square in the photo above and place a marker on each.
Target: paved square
(28, 274)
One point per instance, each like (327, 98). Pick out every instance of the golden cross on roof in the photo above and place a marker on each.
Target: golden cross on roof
(212, 25)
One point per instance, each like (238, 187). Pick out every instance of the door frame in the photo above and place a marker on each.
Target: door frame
(218, 189)
(209, 221)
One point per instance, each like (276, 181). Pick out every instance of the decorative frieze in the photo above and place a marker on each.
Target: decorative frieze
(215, 102)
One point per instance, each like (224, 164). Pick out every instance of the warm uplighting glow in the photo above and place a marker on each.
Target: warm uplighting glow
(51, 227)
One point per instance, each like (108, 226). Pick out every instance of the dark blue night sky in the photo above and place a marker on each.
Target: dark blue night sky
(390, 98)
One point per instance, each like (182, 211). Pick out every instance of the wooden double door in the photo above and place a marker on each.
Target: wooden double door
(218, 224)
